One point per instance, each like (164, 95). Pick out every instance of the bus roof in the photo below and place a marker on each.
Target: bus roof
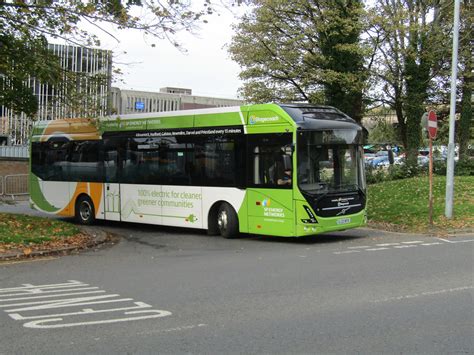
(301, 116)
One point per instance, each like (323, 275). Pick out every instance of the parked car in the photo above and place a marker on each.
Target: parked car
(423, 160)
(378, 162)
(368, 157)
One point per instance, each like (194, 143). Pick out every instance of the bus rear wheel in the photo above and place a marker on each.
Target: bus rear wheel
(227, 221)
(85, 213)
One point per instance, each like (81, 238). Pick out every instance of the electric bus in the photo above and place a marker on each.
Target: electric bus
(286, 170)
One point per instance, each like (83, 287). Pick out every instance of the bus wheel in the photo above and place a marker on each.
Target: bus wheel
(227, 221)
(85, 213)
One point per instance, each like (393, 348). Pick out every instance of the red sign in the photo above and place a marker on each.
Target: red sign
(432, 124)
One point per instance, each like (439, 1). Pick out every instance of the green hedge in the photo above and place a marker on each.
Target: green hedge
(402, 171)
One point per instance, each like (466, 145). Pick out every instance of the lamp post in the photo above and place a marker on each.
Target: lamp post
(452, 112)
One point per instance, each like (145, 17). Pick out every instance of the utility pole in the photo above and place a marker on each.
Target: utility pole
(452, 112)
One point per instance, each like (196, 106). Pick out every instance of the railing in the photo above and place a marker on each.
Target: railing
(14, 185)
(14, 151)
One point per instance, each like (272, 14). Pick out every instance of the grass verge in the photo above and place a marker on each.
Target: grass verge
(28, 233)
(402, 205)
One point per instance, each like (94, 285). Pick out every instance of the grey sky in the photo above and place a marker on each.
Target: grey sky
(206, 68)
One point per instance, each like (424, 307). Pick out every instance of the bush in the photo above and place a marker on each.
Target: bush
(461, 168)
(374, 175)
(393, 172)
(464, 167)
(403, 171)
(439, 167)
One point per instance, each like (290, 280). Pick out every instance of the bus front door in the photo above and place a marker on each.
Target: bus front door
(112, 206)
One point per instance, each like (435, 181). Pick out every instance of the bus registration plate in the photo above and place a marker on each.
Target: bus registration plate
(343, 221)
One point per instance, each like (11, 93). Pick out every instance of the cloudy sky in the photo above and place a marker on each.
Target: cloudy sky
(206, 68)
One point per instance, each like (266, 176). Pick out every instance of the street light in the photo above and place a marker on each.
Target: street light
(452, 112)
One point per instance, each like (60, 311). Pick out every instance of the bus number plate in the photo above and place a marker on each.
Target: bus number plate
(343, 221)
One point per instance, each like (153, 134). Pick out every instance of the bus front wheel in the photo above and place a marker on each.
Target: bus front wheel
(227, 221)
(85, 213)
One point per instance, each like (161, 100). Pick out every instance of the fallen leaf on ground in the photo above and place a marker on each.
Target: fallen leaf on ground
(27, 251)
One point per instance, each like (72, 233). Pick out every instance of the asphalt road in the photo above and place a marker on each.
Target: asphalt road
(164, 290)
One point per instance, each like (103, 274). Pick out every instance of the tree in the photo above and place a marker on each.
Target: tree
(25, 26)
(303, 50)
(383, 132)
(466, 54)
(18, 65)
(410, 41)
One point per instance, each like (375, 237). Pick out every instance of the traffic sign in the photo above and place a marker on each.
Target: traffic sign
(432, 124)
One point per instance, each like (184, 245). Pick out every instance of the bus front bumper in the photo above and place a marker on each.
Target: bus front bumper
(331, 224)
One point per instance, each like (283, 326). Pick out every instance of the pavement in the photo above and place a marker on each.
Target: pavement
(100, 236)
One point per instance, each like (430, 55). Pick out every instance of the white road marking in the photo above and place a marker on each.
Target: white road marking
(139, 305)
(49, 296)
(59, 296)
(62, 303)
(40, 323)
(387, 246)
(429, 293)
(175, 329)
(347, 252)
(38, 291)
(456, 241)
(38, 288)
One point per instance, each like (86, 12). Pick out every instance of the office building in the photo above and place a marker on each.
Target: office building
(84, 91)
(166, 99)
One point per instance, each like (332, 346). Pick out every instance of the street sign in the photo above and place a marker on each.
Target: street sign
(139, 105)
(432, 124)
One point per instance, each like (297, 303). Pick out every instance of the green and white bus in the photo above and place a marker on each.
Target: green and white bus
(281, 170)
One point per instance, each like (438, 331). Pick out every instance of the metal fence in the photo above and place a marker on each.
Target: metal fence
(14, 151)
(14, 185)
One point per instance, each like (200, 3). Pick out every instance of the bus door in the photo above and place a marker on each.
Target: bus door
(112, 169)
(112, 206)
(270, 181)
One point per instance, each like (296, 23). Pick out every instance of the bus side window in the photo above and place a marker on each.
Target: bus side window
(111, 159)
(38, 166)
(174, 161)
(83, 163)
(55, 159)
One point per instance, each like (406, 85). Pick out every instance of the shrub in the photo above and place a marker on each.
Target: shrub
(403, 171)
(461, 168)
(374, 175)
(464, 167)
